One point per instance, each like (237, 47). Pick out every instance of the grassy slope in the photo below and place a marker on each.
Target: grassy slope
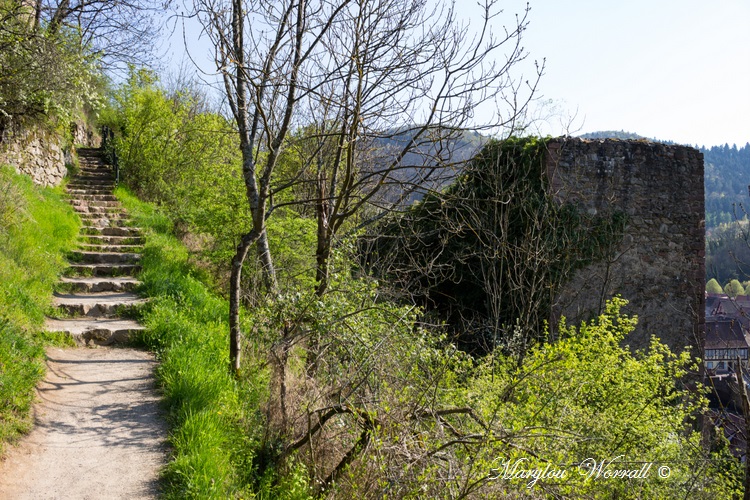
(37, 228)
(214, 419)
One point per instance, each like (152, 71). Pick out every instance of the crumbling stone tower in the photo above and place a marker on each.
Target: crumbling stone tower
(659, 265)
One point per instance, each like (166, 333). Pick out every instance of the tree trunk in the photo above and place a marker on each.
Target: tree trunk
(61, 13)
(266, 262)
(322, 256)
(235, 301)
(324, 237)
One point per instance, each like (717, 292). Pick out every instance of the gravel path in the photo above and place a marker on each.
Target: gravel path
(98, 430)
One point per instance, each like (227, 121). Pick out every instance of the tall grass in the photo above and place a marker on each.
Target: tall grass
(37, 228)
(213, 417)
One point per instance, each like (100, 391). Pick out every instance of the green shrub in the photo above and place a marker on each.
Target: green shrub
(713, 286)
(174, 152)
(45, 77)
(734, 288)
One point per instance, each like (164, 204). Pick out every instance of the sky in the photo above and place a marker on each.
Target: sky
(675, 70)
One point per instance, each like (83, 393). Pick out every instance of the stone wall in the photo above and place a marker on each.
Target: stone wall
(42, 154)
(659, 264)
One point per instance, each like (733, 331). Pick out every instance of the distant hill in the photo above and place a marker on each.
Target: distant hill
(612, 134)
(727, 177)
(449, 155)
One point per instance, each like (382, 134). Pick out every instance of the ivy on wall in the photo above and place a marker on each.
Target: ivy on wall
(488, 254)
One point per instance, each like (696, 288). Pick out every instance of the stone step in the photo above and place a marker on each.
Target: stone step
(113, 240)
(93, 180)
(104, 258)
(102, 222)
(93, 197)
(111, 231)
(112, 248)
(108, 186)
(97, 330)
(91, 285)
(89, 152)
(113, 215)
(92, 159)
(103, 183)
(94, 173)
(94, 203)
(96, 166)
(99, 175)
(74, 193)
(104, 304)
(86, 185)
(95, 169)
(74, 270)
(86, 209)
(93, 155)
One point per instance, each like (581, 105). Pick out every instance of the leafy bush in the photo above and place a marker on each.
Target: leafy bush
(44, 76)
(173, 151)
(588, 397)
(734, 288)
(391, 411)
(713, 286)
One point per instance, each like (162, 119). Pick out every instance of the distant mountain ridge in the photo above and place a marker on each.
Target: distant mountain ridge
(613, 134)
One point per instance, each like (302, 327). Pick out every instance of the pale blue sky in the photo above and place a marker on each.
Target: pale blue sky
(670, 69)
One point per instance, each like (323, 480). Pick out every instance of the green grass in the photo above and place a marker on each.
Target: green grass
(213, 417)
(37, 228)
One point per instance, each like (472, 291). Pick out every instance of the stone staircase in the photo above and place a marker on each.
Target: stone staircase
(98, 286)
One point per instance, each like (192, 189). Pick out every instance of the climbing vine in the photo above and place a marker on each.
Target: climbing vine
(488, 254)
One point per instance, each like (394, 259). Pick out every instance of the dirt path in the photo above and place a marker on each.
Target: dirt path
(98, 430)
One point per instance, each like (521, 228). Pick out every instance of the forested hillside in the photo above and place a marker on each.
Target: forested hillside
(727, 172)
(727, 184)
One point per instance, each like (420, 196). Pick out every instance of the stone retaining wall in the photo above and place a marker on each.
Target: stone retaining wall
(42, 154)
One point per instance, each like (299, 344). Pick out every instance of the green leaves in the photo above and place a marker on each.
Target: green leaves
(713, 286)
(44, 77)
(175, 152)
(734, 288)
(588, 396)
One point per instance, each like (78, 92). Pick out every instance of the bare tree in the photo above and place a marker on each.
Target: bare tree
(352, 73)
(118, 31)
(411, 77)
